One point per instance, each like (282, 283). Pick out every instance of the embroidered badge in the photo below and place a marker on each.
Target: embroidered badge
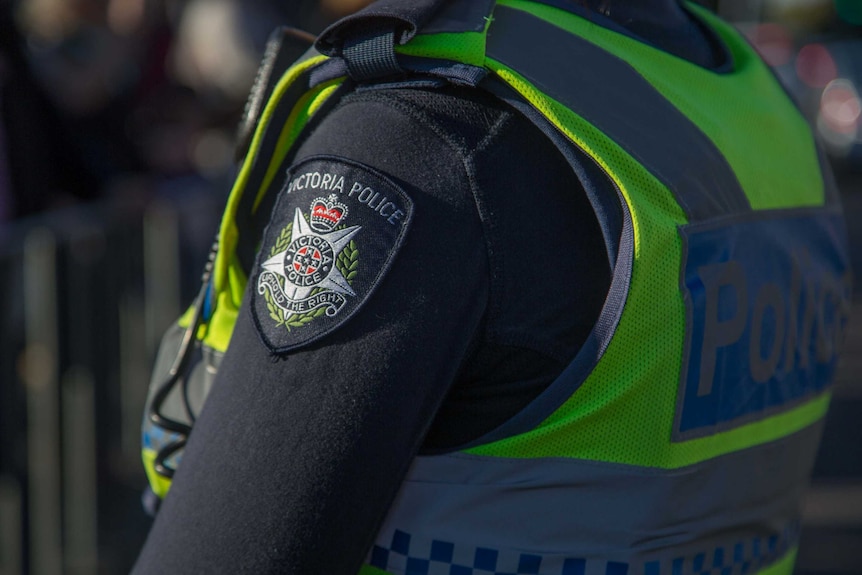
(334, 231)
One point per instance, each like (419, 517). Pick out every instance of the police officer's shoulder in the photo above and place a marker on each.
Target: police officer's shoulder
(464, 115)
(381, 154)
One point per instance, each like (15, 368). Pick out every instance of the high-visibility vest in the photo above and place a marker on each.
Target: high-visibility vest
(681, 437)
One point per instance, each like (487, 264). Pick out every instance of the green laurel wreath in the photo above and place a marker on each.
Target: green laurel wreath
(347, 263)
(283, 240)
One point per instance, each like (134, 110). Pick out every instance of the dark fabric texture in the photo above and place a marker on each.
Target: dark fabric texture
(295, 459)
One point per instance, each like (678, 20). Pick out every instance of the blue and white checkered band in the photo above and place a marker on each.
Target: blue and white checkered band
(333, 233)
(409, 554)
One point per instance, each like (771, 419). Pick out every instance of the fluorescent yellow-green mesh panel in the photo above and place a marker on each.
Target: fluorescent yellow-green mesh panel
(625, 410)
(746, 114)
(369, 570)
(159, 484)
(782, 567)
(228, 279)
(628, 401)
(306, 107)
(467, 47)
(228, 231)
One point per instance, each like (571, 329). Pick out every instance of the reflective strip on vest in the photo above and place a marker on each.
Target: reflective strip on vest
(562, 515)
(561, 65)
(460, 16)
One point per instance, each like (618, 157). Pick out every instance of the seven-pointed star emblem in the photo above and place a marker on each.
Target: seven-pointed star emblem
(308, 259)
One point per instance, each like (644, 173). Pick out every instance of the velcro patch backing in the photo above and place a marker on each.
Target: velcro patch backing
(332, 236)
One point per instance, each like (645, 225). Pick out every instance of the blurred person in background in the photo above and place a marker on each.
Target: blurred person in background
(41, 165)
(106, 65)
(546, 287)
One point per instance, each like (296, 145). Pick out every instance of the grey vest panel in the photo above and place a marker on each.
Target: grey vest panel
(567, 516)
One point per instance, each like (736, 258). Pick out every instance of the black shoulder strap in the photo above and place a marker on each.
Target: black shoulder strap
(366, 40)
(361, 46)
(404, 17)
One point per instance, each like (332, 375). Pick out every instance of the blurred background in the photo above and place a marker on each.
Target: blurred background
(117, 127)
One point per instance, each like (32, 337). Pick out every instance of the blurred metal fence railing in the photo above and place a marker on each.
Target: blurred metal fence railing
(39, 372)
(10, 525)
(84, 296)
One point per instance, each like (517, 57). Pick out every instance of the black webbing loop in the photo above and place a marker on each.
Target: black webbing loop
(403, 18)
(372, 55)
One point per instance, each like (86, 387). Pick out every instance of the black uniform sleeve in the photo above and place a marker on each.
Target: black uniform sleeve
(294, 461)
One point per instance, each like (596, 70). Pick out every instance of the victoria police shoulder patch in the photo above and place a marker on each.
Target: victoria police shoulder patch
(333, 233)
